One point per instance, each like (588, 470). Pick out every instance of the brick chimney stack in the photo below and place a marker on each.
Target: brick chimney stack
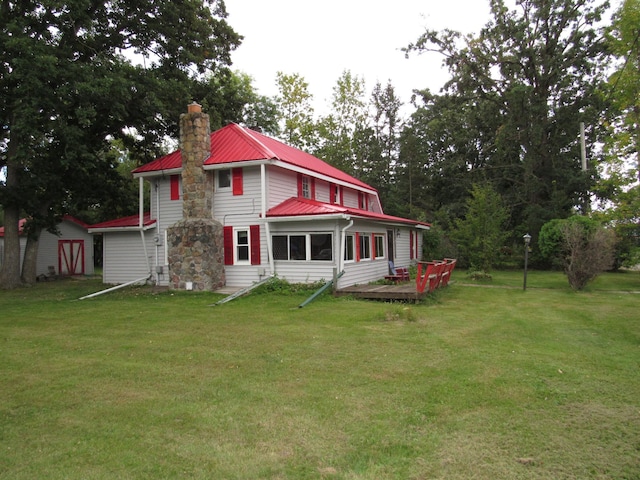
(195, 146)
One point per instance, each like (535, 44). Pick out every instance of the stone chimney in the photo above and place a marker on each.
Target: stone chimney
(196, 245)
(195, 146)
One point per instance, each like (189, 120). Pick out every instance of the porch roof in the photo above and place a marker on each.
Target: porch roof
(132, 222)
(303, 207)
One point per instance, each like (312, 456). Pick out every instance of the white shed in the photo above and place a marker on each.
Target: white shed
(69, 253)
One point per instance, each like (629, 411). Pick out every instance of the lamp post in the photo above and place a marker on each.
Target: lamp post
(527, 241)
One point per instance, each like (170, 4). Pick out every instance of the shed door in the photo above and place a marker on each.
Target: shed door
(71, 257)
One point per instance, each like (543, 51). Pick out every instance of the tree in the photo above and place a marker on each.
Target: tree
(342, 133)
(522, 86)
(619, 188)
(296, 112)
(480, 234)
(581, 245)
(57, 120)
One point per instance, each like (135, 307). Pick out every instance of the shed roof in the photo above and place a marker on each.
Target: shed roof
(67, 218)
(235, 144)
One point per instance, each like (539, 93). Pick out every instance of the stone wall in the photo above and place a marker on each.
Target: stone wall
(196, 250)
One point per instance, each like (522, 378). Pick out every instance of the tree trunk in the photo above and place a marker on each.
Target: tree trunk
(30, 262)
(10, 271)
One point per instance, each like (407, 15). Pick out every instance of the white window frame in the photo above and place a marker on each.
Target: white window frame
(237, 245)
(380, 252)
(365, 238)
(307, 244)
(228, 187)
(351, 250)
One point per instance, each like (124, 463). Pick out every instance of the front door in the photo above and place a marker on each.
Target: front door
(390, 245)
(71, 257)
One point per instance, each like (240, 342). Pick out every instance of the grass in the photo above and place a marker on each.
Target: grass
(474, 383)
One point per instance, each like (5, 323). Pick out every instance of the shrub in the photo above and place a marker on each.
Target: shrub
(581, 245)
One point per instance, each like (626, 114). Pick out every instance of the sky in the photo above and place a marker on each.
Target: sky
(321, 39)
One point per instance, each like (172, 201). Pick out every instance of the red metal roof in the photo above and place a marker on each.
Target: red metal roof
(295, 206)
(68, 218)
(131, 221)
(233, 144)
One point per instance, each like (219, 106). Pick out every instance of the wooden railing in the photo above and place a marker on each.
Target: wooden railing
(434, 274)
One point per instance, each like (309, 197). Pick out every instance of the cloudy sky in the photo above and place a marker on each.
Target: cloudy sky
(321, 39)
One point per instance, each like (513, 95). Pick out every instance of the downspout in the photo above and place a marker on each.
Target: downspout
(263, 213)
(158, 243)
(141, 224)
(343, 244)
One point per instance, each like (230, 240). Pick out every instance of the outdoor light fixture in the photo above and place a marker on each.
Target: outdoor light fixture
(527, 241)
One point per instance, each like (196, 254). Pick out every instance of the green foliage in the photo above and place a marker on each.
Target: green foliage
(480, 234)
(281, 285)
(295, 110)
(510, 113)
(581, 245)
(340, 389)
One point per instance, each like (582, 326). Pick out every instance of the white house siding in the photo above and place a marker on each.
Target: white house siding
(48, 247)
(126, 256)
(230, 209)
(282, 185)
(170, 212)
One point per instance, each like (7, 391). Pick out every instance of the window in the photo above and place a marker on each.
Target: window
(306, 187)
(379, 246)
(224, 178)
(333, 193)
(242, 245)
(363, 201)
(364, 247)
(311, 246)
(349, 250)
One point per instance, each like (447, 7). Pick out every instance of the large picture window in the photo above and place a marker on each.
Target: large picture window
(296, 247)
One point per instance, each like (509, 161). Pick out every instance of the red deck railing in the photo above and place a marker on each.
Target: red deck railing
(434, 274)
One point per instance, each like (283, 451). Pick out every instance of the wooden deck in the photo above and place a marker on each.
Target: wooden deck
(400, 291)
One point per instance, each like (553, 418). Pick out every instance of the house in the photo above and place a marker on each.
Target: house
(235, 206)
(68, 253)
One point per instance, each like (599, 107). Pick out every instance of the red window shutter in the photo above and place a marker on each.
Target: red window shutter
(411, 245)
(254, 231)
(236, 175)
(341, 195)
(175, 187)
(357, 247)
(299, 185)
(228, 245)
(313, 188)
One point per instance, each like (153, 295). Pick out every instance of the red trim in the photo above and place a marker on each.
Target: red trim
(175, 187)
(228, 245)
(236, 175)
(254, 231)
(341, 195)
(313, 188)
(71, 257)
(300, 185)
(373, 246)
(357, 247)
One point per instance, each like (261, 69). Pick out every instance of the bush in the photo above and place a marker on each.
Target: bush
(581, 245)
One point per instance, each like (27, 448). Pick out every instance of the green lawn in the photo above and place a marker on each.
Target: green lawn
(474, 383)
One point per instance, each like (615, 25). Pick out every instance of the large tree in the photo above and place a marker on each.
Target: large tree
(76, 75)
(518, 93)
